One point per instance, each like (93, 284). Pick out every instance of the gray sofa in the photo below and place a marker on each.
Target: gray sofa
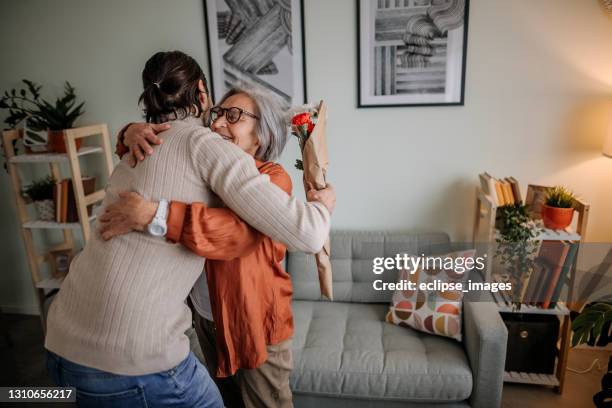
(346, 355)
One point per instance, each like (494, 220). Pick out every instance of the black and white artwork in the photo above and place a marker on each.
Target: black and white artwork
(258, 42)
(411, 52)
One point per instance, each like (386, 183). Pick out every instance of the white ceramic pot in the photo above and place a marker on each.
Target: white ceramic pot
(46, 210)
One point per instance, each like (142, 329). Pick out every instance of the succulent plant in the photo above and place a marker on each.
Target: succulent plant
(559, 197)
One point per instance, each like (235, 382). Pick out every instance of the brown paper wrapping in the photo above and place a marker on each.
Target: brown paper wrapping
(316, 161)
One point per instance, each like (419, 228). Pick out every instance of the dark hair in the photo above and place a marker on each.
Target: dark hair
(170, 82)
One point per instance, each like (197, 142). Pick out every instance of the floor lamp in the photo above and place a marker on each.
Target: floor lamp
(607, 261)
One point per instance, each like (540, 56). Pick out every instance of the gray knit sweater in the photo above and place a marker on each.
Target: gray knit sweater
(122, 306)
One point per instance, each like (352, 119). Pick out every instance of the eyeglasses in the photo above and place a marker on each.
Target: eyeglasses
(232, 114)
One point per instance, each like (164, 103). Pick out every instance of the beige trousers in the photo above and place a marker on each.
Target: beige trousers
(268, 384)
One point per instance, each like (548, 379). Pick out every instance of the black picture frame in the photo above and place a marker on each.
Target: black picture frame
(223, 73)
(416, 99)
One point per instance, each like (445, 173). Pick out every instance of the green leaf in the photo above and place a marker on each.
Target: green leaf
(299, 164)
(590, 322)
(41, 189)
(44, 115)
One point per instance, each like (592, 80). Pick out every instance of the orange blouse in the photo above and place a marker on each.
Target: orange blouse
(250, 292)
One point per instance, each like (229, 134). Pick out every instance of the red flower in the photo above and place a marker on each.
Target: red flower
(310, 127)
(301, 119)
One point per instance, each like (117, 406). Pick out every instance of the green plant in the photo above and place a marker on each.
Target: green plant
(41, 189)
(516, 244)
(589, 324)
(41, 114)
(559, 197)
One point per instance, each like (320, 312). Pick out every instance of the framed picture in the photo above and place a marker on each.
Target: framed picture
(535, 199)
(257, 42)
(411, 52)
(59, 262)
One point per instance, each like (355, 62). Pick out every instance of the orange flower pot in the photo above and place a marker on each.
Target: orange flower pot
(557, 218)
(56, 141)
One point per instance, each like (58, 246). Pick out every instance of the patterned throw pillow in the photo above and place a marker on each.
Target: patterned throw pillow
(432, 311)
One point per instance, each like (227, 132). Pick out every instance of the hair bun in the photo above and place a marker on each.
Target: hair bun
(176, 76)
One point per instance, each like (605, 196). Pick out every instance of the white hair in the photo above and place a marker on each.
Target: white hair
(272, 129)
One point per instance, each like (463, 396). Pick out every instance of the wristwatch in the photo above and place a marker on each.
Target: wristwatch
(158, 226)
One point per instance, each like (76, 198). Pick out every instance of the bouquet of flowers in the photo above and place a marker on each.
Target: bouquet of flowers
(308, 124)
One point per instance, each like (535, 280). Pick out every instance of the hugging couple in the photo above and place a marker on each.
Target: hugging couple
(116, 330)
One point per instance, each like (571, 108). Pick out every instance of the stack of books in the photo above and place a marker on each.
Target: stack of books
(553, 264)
(542, 288)
(65, 202)
(502, 191)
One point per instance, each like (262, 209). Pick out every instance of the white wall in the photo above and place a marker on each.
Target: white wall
(538, 92)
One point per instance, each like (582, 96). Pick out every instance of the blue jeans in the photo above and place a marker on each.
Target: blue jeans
(186, 385)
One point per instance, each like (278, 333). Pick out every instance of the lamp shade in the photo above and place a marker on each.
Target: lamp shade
(607, 148)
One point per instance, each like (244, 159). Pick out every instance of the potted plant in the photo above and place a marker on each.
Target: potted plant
(516, 246)
(41, 115)
(590, 327)
(558, 211)
(41, 193)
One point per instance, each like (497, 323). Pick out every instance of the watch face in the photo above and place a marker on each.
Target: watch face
(156, 230)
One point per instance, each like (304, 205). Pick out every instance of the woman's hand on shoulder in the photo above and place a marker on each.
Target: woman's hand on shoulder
(326, 196)
(139, 137)
(130, 213)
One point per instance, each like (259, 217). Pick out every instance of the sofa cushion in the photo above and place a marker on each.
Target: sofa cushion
(432, 311)
(352, 255)
(344, 349)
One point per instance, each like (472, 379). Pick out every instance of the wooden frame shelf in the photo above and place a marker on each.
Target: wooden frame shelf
(560, 309)
(54, 157)
(553, 235)
(72, 158)
(531, 378)
(486, 233)
(50, 283)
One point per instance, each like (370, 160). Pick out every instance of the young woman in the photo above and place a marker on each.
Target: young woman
(250, 292)
(116, 330)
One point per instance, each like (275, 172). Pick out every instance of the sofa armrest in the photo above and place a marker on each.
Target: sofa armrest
(485, 339)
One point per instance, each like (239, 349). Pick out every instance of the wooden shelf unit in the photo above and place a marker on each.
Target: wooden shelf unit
(71, 157)
(485, 233)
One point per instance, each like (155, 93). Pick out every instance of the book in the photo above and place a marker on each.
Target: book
(516, 192)
(552, 254)
(568, 265)
(499, 193)
(89, 185)
(507, 189)
(525, 282)
(541, 284)
(64, 202)
(502, 191)
(534, 280)
(72, 214)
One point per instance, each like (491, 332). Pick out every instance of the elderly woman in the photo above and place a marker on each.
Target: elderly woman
(250, 292)
(116, 330)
